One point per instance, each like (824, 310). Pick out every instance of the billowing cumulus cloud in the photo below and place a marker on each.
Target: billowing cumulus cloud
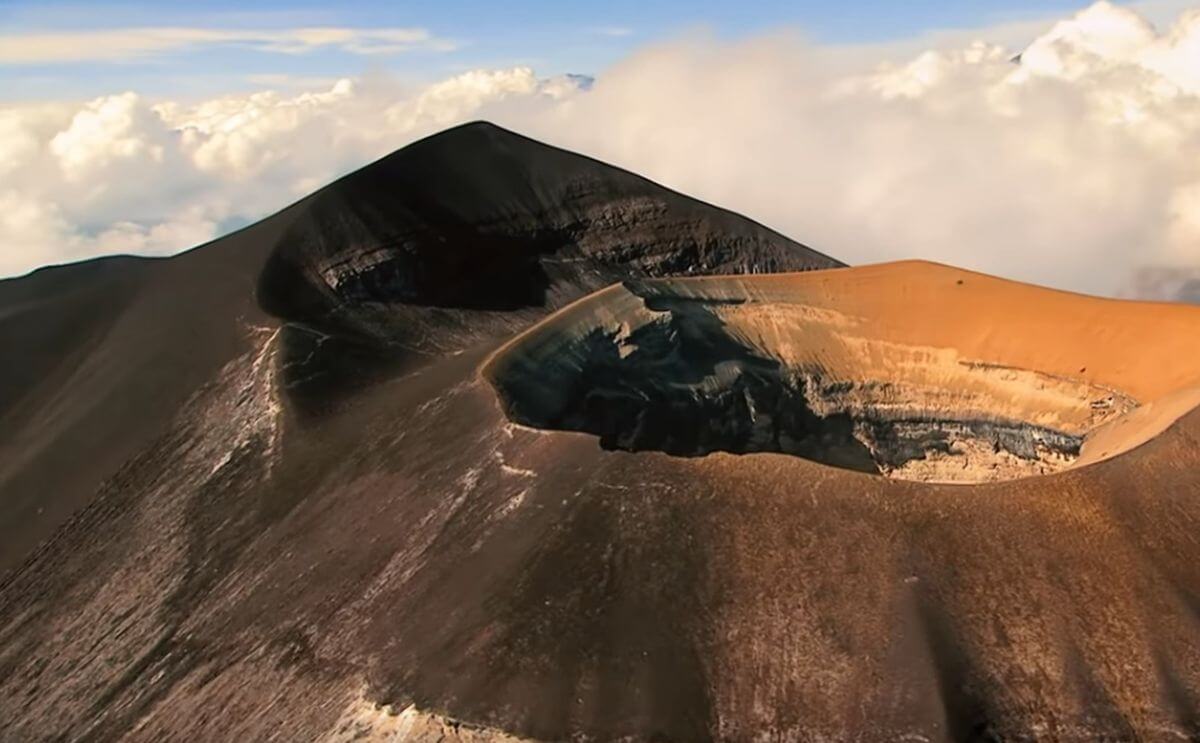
(1077, 165)
(125, 174)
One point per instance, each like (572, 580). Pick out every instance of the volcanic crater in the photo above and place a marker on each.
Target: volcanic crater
(932, 384)
(336, 476)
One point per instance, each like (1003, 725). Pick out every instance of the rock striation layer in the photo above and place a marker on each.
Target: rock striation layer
(766, 364)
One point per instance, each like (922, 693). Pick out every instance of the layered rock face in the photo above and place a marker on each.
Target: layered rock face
(475, 234)
(493, 222)
(744, 365)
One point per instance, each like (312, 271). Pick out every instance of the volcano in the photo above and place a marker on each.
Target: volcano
(493, 441)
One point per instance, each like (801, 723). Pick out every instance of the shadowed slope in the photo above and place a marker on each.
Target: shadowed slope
(481, 218)
(477, 232)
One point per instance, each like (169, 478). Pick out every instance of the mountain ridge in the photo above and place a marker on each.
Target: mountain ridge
(76, 325)
(479, 124)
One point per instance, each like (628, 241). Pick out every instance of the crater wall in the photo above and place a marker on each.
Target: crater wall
(856, 368)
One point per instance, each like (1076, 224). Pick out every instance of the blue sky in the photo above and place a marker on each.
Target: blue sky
(552, 37)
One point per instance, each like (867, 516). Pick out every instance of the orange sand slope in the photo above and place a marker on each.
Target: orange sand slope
(910, 353)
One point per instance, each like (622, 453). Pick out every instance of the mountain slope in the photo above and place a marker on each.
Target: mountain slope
(306, 484)
(470, 232)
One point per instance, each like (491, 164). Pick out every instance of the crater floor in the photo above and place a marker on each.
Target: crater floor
(906, 370)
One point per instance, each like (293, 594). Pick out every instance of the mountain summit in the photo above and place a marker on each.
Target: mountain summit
(470, 232)
(171, 424)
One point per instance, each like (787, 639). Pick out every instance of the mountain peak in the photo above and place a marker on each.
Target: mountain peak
(480, 216)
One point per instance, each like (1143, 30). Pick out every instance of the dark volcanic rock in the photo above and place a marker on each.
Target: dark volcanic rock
(479, 218)
(474, 233)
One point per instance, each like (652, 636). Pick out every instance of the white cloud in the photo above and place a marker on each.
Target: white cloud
(121, 44)
(125, 174)
(106, 130)
(1075, 168)
(284, 81)
(189, 227)
(461, 97)
(1182, 242)
(1109, 37)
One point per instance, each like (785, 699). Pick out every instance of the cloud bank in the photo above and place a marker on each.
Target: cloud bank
(123, 44)
(1077, 165)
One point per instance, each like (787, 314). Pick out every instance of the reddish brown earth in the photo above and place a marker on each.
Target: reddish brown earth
(348, 474)
(912, 370)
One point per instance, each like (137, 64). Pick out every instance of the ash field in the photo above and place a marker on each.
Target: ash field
(492, 441)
